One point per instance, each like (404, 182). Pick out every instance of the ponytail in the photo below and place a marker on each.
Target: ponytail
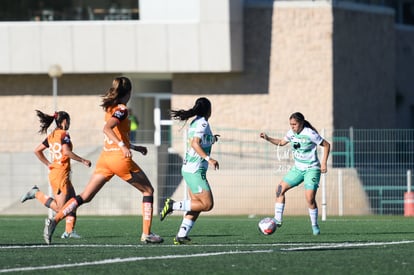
(202, 107)
(46, 120)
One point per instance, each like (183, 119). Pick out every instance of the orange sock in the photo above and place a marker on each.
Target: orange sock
(147, 202)
(46, 200)
(68, 208)
(70, 223)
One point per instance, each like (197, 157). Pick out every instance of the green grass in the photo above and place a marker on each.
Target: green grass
(224, 245)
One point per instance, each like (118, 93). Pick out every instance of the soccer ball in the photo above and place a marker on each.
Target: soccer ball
(267, 226)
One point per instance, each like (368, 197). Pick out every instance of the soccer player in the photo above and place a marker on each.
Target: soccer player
(196, 162)
(60, 148)
(115, 159)
(304, 139)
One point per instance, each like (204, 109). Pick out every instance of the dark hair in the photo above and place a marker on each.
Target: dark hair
(120, 87)
(299, 117)
(46, 120)
(202, 107)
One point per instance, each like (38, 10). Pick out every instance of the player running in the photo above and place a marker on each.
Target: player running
(196, 162)
(304, 139)
(60, 148)
(115, 159)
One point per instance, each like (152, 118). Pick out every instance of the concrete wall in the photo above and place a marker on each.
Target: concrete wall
(297, 77)
(364, 67)
(404, 50)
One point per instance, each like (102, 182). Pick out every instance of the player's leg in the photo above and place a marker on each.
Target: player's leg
(201, 199)
(311, 181)
(36, 193)
(96, 182)
(293, 178)
(141, 182)
(70, 231)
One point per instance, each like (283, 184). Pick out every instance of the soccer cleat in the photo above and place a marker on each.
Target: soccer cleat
(181, 240)
(278, 223)
(168, 208)
(30, 195)
(50, 226)
(151, 238)
(315, 230)
(72, 234)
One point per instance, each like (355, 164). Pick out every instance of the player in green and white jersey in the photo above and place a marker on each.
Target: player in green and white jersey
(304, 139)
(196, 162)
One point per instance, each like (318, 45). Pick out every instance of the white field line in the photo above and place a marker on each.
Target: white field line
(343, 245)
(132, 259)
(294, 247)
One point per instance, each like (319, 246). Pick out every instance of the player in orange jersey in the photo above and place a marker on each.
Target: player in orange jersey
(115, 159)
(60, 148)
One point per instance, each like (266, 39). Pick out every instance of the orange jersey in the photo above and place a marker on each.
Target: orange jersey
(120, 112)
(112, 161)
(54, 142)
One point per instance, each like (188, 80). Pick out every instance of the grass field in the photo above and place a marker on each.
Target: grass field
(222, 245)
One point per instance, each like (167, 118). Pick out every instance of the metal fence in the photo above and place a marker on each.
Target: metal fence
(367, 173)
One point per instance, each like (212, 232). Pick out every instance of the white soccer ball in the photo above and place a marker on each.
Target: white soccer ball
(267, 226)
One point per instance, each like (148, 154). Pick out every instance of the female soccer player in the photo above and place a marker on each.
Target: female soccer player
(60, 147)
(115, 159)
(304, 139)
(197, 159)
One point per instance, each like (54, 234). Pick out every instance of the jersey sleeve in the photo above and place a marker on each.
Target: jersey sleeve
(120, 113)
(46, 143)
(66, 139)
(315, 137)
(200, 128)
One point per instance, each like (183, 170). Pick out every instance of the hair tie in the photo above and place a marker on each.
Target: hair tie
(55, 115)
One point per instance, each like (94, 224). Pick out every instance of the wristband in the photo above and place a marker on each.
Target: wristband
(207, 158)
(121, 143)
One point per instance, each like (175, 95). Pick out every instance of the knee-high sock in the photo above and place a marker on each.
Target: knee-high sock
(46, 200)
(279, 208)
(313, 214)
(69, 207)
(147, 202)
(70, 222)
(185, 228)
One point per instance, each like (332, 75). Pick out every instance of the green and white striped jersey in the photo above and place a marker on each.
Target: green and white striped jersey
(200, 128)
(304, 147)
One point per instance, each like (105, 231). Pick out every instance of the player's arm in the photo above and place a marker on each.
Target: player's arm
(142, 149)
(275, 141)
(324, 162)
(195, 144)
(40, 155)
(70, 154)
(110, 124)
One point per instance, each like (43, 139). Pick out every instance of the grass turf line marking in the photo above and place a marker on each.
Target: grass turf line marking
(132, 259)
(342, 245)
(308, 246)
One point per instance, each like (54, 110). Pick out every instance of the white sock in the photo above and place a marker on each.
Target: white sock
(279, 208)
(182, 205)
(313, 213)
(185, 228)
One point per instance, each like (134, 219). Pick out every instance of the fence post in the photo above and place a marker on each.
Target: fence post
(323, 178)
(340, 194)
(409, 197)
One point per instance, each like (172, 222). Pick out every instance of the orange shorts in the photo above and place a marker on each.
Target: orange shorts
(60, 181)
(111, 163)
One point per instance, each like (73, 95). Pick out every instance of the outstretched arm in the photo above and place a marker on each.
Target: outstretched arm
(275, 141)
